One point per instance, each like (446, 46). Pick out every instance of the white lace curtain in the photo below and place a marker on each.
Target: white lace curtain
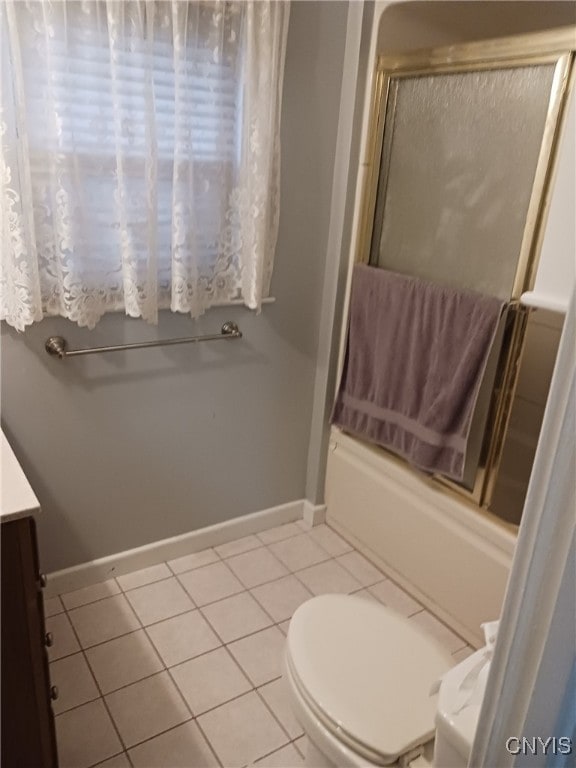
(139, 161)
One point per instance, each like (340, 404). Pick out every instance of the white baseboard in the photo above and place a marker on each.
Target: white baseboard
(314, 514)
(92, 572)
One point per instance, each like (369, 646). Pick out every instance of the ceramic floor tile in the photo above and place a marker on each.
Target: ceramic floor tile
(74, 681)
(65, 641)
(181, 747)
(361, 568)
(329, 540)
(276, 695)
(257, 567)
(85, 736)
(300, 745)
(210, 680)
(283, 626)
(394, 597)
(238, 546)
(104, 620)
(183, 637)
(236, 617)
(159, 601)
(144, 576)
(281, 598)
(210, 583)
(287, 757)
(299, 552)
(367, 595)
(194, 560)
(462, 654)
(260, 655)
(53, 606)
(440, 632)
(254, 734)
(279, 533)
(328, 577)
(123, 661)
(147, 708)
(90, 594)
(118, 761)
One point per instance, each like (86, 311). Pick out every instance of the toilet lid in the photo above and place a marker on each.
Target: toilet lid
(368, 671)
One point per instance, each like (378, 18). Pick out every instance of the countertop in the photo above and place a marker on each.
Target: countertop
(17, 499)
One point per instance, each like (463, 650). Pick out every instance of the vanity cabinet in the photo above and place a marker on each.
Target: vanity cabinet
(28, 733)
(28, 738)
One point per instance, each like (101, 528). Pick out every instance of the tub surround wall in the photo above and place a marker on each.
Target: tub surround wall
(453, 558)
(540, 350)
(133, 447)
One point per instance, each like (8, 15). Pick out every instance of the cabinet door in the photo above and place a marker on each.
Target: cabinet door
(28, 736)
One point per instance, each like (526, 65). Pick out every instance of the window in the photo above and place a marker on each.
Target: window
(148, 133)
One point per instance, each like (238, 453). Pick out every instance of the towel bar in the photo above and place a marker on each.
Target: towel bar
(57, 346)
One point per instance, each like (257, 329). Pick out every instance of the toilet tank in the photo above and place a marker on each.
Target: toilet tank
(459, 702)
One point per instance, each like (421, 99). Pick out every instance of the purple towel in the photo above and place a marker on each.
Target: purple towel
(415, 359)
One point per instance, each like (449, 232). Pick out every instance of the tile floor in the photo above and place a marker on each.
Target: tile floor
(179, 665)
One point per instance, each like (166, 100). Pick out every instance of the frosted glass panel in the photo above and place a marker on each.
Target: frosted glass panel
(458, 162)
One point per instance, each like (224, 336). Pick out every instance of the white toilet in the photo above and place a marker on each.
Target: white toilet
(360, 679)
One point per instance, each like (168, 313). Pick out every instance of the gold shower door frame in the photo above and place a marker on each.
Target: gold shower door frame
(554, 47)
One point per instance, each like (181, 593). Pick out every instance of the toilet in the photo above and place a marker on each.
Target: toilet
(360, 680)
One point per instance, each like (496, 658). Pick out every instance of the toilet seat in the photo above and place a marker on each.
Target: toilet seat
(366, 674)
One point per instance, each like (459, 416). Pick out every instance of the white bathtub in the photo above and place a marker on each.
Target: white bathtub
(451, 556)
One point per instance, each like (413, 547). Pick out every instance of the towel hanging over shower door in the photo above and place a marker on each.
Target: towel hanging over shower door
(416, 355)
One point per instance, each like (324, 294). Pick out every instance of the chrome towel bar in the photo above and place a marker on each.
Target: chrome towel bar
(57, 345)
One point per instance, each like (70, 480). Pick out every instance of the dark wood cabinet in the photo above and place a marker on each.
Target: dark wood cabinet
(28, 734)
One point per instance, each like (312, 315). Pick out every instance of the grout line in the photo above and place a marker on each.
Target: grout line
(259, 545)
(285, 618)
(210, 747)
(92, 602)
(148, 584)
(236, 662)
(194, 567)
(309, 565)
(111, 757)
(351, 575)
(283, 538)
(276, 718)
(259, 584)
(160, 733)
(297, 748)
(249, 634)
(82, 703)
(89, 602)
(362, 558)
(104, 702)
(269, 754)
(368, 587)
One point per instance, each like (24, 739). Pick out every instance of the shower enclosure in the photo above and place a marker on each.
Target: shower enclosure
(461, 149)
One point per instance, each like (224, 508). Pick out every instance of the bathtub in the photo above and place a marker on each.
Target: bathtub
(450, 555)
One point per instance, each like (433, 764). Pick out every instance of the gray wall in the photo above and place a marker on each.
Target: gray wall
(134, 447)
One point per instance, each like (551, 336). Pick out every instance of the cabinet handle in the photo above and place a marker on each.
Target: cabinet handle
(43, 580)
(49, 639)
(54, 692)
